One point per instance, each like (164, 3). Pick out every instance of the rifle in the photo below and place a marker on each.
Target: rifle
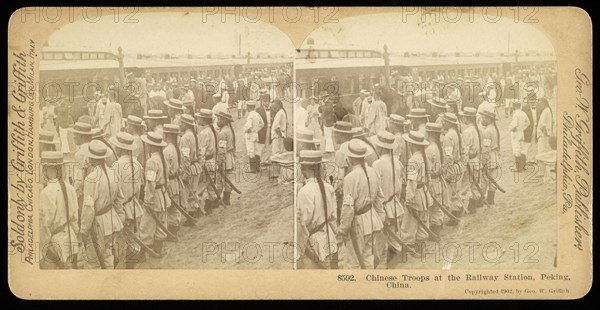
(493, 181)
(141, 244)
(159, 224)
(443, 208)
(63, 188)
(96, 246)
(212, 185)
(356, 249)
(478, 187)
(182, 210)
(228, 181)
(422, 225)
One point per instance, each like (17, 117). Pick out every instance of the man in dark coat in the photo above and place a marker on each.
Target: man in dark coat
(529, 134)
(263, 135)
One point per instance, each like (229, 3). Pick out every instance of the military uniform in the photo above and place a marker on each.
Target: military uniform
(191, 170)
(172, 158)
(225, 158)
(434, 188)
(206, 154)
(254, 124)
(101, 211)
(155, 200)
(490, 158)
(453, 167)
(58, 220)
(470, 153)
(416, 199)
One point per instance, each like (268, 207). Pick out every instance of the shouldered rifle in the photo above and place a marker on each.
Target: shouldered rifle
(422, 225)
(159, 224)
(443, 208)
(212, 185)
(224, 176)
(180, 208)
(478, 186)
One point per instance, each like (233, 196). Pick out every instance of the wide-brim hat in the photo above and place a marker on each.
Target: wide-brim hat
(415, 137)
(135, 121)
(250, 103)
(434, 127)
(175, 104)
(385, 139)
(450, 118)
(187, 119)
(82, 128)
(123, 141)
(47, 137)
(204, 113)
(155, 114)
(359, 132)
(451, 101)
(52, 158)
(437, 102)
(311, 157)
(306, 136)
(418, 113)
(153, 138)
(356, 148)
(489, 114)
(225, 115)
(96, 149)
(468, 112)
(343, 127)
(397, 119)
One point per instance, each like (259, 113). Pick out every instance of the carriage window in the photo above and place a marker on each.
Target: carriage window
(93, 56)
(334, 54)
(323, 54)
(351, 54)
(58, 56)
(48, 56)
(360, 54)
(312, 54)
(85, 56)
(101, 56)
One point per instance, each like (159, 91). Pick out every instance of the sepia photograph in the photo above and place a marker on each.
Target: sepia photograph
(156, 141)
(432, 146)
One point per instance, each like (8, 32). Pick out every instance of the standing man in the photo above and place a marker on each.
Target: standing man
(254, 123)
(433, 152)
(279, 127)
(317, 216)
(391, 173)
(362, 213)
(264, 110)
(58, 216)
(418, 117)
(471, 153)
(544, 127)
(328, 120)
(490, 153)
(63, 122)
(530, 134)
(396, 124)
(416, 202)
(174, 191)
(377, 114)
(191, 167)
(130, 173)
(135, 127)
(155, 201)
(301, 115)
(438, 108)
(243, 94)
(155, 120)
(358, 103)
(518, 126)
(225, 155)
(174, 109)
(207, 151)
(453, 164)
(102, 199)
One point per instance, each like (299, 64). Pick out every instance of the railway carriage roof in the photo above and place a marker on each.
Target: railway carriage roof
(413, 61)
(51, 65)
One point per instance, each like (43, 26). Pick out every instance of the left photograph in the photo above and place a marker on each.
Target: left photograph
(166, 144)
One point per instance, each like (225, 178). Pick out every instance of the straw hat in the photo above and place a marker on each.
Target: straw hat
(468, 112)
(96, 150)
(52, 158)
(155, 114)
(47, 137)
(225, 115)
(386, 140)
(397, 119)
(356, 149)
(170, 129)
(134, 121)
(417, 113)
(82, 129)
(437, 102)
(488, 113)
(450, 118)
(204, 113)
(306, 136)
(434, 127)
(310, 157)
(343, 127)
(175, 104)
(186, 119)
(415, 137)
(153, 138)
(359, 132)
(123, 141)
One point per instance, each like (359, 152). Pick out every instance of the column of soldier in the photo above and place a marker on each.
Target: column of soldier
(129, 190)
(396, 181)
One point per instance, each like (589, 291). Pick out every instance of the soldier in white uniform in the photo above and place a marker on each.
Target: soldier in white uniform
(254, 123)
(58, 216)
(490, 153)
(173, 159)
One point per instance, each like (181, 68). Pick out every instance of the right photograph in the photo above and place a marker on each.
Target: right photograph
(423, 143)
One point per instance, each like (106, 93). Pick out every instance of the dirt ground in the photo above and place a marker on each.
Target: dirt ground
(518, 233)
(255, 232)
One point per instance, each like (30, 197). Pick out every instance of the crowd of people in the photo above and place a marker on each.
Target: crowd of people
(375, 185)
(117, 185)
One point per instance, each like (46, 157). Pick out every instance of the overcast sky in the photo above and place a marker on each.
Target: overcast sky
(375, 30)
(173, 33)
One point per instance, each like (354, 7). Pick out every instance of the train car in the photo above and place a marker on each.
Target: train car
(343, 73)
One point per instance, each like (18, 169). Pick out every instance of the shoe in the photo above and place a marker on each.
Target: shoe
(436, 230)
(173, 230)
(490, 198)
(472, 207)
(459, 213)
(452, 222)
(158, 246)
(226, 197)
(252, 164)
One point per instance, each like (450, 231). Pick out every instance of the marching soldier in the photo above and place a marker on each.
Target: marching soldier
(207, 150)
(490, 153)
(47, 142)
(453, 164)
(433, 152)
(154, 221)
(471, 153)
(174, 108)
(452, 105)
(102, 199)
(362, 212)
(174, 190)
(254, 124)
(135, 127)
(130, 174)
(418, 118)
(82, 133)
(101, 136)
(58, 216)
(391, 174)
(317, 217)
(225, 155)
(191, 168)
(415, 220)
(361, 134)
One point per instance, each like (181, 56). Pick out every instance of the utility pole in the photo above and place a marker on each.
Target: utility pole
(386, 59)
(121, 66)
